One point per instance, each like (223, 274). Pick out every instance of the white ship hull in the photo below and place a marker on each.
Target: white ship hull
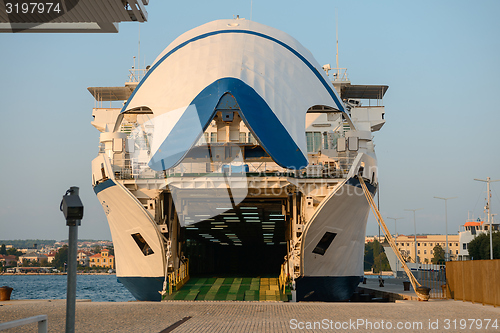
(335, 275)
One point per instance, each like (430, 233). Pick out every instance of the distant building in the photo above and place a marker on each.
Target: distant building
(468, 232)
(425, 246)
(369, 239)
(32, 256)
(50, 256)
(103, 259)
(8, 260)
(83, 258)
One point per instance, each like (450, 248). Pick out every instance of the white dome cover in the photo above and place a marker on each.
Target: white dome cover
(272, 76)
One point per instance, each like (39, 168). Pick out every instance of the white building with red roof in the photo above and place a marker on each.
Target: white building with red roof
(469, 231)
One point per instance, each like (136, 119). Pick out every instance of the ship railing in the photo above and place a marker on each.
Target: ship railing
(136, 74)
(339, 74)
(132, 169)
(178, 277)
(432, 276)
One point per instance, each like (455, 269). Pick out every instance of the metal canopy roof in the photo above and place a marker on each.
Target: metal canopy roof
(81, 16)
(363, 91)
(104, 94)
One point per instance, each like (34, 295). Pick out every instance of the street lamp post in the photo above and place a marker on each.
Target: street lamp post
(447, 254)
(488, 181)
(415, 227)
(396, 237)
(395, 227)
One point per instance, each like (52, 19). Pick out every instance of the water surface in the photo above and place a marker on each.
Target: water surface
(98, 288)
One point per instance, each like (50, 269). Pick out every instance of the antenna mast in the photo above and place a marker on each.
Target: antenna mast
(139, 48)
(488, 206)
(337, 35)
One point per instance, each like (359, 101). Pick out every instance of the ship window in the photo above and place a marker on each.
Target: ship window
(313, 141)
(213, 137)
(324, 243)
(243, 137)
(143, 245)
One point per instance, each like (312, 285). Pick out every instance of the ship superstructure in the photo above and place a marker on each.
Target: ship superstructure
(469, 231)
(237, 152)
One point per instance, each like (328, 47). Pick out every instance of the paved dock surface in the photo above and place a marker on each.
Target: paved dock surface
(235, 316)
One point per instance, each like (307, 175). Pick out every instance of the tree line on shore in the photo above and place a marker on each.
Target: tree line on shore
(28, 243)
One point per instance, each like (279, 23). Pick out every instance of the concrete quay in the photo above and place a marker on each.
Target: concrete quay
(393, 289)
(236, 316)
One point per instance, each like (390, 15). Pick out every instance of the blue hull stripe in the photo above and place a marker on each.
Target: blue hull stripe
(254, 110)
(249, 32)
(144, 288)
(104, 185)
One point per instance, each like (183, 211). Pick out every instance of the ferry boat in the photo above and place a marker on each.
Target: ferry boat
(237, 152)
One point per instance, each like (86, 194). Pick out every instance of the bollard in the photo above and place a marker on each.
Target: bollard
(443, 288)
(72, 207)
(5, 293)
(423, 293)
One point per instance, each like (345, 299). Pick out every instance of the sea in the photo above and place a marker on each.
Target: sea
(98, 288)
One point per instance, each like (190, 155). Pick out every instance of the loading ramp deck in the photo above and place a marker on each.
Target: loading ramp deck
(230, 289)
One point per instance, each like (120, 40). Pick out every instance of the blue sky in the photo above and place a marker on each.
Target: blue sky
(440, 60)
